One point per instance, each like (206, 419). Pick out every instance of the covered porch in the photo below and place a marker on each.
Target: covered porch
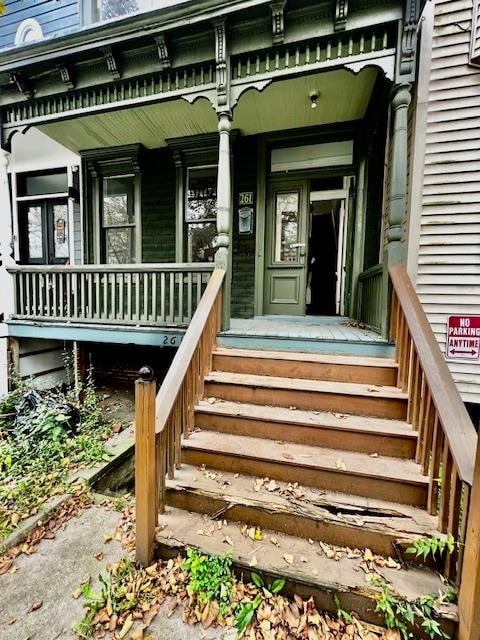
(149, 213)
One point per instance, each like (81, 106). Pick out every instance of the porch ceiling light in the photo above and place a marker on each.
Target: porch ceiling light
(314, 95)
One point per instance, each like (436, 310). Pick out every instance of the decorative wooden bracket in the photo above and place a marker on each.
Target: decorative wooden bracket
(66, 76)
(409, 37)
(22, 84)
(163, 51)
(222, 73)
(341, 13)
(111, 62)
(278, 21)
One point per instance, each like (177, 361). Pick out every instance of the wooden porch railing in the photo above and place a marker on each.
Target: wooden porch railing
(370, 296)
(447, 440)
(159, 429)
(143, 294)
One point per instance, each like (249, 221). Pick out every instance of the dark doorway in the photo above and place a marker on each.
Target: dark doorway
(322, 257)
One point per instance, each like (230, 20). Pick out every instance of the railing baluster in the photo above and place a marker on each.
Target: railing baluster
(171, 304)
(89, 309)
(121, 303)
(434, 475)
(453, 522)
(163, 294)
(180, 298)
(154, 298)
(136, 317)
(447, 464)
(129, 313)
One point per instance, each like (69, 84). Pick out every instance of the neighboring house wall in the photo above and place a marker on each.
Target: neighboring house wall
(448, 279)
(47, 18)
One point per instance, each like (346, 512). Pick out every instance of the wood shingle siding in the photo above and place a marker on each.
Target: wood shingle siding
(449, 245)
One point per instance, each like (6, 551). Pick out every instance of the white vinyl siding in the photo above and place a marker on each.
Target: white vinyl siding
(448, 276)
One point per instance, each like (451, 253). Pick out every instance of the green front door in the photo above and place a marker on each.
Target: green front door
(286, 249)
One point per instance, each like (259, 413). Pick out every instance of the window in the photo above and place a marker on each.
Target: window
(118, 219)
(112, 204)
(286, 226)
(201, 213)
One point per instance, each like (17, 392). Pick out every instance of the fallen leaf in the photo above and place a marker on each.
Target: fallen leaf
(315, 572)
(287, 456)
(76, 594)
(340, 464)
(272, 486)
(100, 555)
(11, 621)
(274, 541)
(35, 606)
(374, 455)
(368, 555)
(212, 400)
(253, 562)
(228, 540)
(15, 519)
(303, 559)
(127, 625)
(288, 557)
(258, 534)
(107, 538)
(259, 482)
(372, 389)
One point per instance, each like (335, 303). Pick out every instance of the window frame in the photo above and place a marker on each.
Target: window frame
(185, 223)
(104, 228)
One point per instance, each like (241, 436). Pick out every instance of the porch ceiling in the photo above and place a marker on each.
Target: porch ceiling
(343, 96)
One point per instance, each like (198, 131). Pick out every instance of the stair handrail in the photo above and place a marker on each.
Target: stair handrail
(162, 420)
(447, 440)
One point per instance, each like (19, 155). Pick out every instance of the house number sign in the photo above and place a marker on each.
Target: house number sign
(245, 198)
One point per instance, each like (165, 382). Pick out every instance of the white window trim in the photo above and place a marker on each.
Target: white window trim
(25, 29)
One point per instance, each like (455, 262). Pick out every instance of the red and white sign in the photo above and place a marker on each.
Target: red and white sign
(463, 338)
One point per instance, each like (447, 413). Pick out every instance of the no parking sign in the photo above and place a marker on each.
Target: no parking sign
(463, 338)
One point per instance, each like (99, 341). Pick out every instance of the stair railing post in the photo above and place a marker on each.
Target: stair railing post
(145, 466)
(469, 595)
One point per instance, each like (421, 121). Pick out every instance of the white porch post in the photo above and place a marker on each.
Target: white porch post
(6, 259)
(224, 210)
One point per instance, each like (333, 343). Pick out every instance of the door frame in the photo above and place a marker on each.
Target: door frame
(48, 231)
(265, 178)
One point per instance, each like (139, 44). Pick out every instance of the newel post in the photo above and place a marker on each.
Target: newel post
(145, 472)
(469, 596)
(224, 210)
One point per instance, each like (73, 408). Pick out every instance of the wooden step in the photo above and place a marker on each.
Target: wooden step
(359, 399)
(337, 519)
(310, 366)
(325, 429)
(310, 574)
(349, 472)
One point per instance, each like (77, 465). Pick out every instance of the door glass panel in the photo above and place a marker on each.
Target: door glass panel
(35, 233)
(120, 245)
(286, 227)
(60, 231)
(200, 242)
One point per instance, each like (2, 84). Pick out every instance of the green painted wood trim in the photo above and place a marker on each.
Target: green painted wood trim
(111, 335)
(260, 225)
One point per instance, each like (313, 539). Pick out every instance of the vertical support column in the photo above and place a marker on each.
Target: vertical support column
(469, 596)
(145, 467)
(224, 211)
(395, 250)
(7, 300)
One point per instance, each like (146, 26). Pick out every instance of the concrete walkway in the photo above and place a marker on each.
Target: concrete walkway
(56, 570)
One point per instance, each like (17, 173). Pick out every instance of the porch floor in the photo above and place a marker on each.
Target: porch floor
(327, 334)
(306, 327)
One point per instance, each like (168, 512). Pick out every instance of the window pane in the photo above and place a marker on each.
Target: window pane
(117, 201)
(120, 245)
(200, 242)
(286, 227)
(116, 8)
(43, 184)
(35, 233)
(201, 194)
(60, 230)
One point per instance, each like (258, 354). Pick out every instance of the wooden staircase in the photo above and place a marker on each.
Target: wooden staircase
(330, 432)
(319, 468)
